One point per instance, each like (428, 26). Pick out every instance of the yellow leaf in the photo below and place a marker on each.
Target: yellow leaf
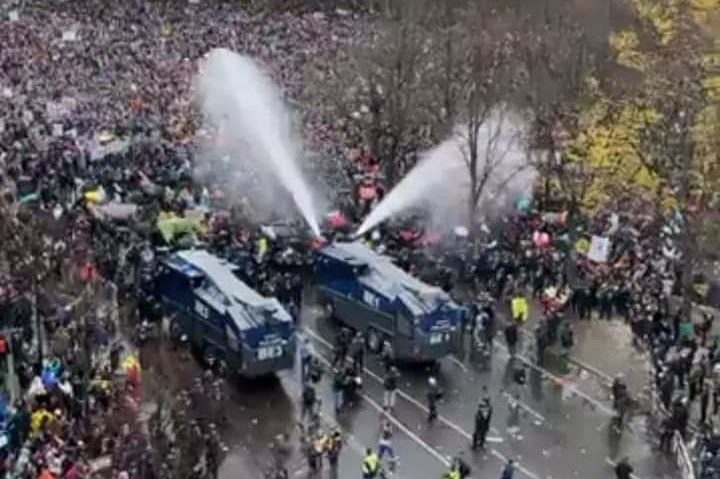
(705, 5)
(626, 46)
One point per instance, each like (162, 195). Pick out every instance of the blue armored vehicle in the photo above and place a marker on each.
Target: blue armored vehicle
(222, 317)
(367, 292)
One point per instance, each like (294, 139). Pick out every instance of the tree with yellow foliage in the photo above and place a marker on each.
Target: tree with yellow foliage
(664, 135)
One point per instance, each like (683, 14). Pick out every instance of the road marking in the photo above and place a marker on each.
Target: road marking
(581, 364)
(417, 403)
(558, 380)
(574, 389)
(351, 440)
(407, 431)
(314, 334)
(459, 363)
(405, 395)
(398, 424)
(525, 407)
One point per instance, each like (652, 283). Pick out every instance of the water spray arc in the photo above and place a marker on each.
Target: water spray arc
(242, 101)
(440, 182)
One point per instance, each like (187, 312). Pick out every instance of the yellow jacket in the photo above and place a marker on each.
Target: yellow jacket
(38, 419)
(371, 463)
(520, 308)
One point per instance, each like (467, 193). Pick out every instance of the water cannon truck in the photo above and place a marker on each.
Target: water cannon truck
(222, 317)
(367, 292)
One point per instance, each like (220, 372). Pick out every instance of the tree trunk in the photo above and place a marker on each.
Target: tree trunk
(472, 161)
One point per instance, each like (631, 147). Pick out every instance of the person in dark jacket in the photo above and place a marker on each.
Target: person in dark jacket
(623, 470)
(482, 421)
(508, 471)
(390, 384)
(511, 337)
(433, 395)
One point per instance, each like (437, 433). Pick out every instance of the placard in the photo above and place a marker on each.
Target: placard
(599, 249)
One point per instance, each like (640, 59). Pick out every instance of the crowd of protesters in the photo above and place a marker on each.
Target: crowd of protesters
(96, 97)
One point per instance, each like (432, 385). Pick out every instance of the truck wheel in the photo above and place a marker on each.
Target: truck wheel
(374, 340)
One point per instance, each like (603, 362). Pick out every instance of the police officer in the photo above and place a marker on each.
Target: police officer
(433, 394)
(482, 421)
(511, 337)
(540, 342)
(453, 473)
(567, 338)
(370, 464)
(357, 352)
(620, 395)
(458, 469)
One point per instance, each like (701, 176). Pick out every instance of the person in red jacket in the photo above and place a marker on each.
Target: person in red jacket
(4, 350)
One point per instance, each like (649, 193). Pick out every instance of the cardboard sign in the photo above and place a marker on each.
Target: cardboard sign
(57, 129)
(14, 15)
(599, 249)
(69, 35)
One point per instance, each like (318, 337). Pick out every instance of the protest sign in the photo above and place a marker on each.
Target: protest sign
(599, 249)
(69, 35)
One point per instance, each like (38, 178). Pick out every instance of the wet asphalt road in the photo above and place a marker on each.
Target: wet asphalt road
(563, 429)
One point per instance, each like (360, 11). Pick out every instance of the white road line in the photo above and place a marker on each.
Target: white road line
(350, 439)
(569, 385)
(400, 392)
(581, 364)
(398, 424)
(421, 406)
(520, 467)
(407, 431)
(525, 407)
(459, 363)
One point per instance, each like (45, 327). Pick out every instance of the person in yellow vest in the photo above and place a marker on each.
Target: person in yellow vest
(453, 473)
(370, 464)
(263, 245)
(520, 308)
(39, 419)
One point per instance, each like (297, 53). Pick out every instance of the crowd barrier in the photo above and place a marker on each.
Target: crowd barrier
(682, 457)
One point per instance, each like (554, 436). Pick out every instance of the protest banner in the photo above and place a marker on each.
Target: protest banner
(599, 249)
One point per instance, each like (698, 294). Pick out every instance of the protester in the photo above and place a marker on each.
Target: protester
(95, 109)
(623, 470)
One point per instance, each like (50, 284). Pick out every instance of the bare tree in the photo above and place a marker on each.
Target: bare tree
(478, 77)
(382, 92)
(556, 65)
